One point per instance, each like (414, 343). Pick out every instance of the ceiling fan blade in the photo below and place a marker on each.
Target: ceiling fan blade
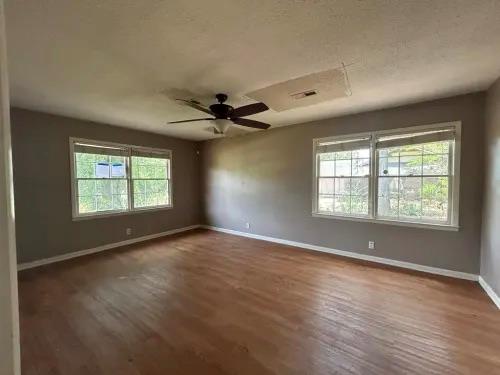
(196, 105)
(195, 119)
(250, 123)
(250, 109)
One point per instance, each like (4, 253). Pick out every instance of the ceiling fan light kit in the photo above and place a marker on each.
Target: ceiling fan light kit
(222, 125)
(226, 115)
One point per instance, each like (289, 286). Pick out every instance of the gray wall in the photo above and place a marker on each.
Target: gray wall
(266, 179)
(490, 245)
(42, 186)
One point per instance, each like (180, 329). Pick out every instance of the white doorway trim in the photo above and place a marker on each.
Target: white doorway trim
(9, 306)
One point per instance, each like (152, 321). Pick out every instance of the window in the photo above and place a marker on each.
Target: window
(344, 177)
(406, 176)
(150, 179)
(114, 179)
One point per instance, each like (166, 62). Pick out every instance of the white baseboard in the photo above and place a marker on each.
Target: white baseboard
(350, 254)
(489, 291)
(391, 262)
(75, 254)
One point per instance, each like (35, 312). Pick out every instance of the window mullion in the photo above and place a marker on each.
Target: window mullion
(373, 176)
(451, 177)
(130, 185)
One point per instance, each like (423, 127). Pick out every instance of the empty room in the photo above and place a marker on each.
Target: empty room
(273, 187)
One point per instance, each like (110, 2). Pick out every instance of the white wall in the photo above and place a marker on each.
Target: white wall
(9, 321)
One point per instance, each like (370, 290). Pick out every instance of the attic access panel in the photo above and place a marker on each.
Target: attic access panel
(304, 91)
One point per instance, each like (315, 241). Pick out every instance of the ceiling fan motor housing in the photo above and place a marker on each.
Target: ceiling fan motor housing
(222, 111)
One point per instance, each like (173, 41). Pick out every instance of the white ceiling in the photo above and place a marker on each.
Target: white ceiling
(120, 61)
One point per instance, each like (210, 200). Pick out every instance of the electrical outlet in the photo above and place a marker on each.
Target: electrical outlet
(247, 225)
(128, 231)
(371, 245)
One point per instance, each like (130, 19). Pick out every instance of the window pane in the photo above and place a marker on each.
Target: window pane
(99, 166)
(388, 193)
(410, 165)
(119, 187)
(139, 200)
(388, 206)
(437, 147)
(410, 150)
(410, 188)
(342, 186)
(359, 186)
(156, 186)
(84, 158)
(325, 203)
(410, 208)
(102, 195)
(361, 154)
(344, 194)
(86, 187)
(163, 197)
(150, 193)
(139, 186)
(388, 186)
(391, 152)
(143, 167)
(151, 200)
(86, 204)
(118, 167)
(327, 168)
(326, 185)
(388, 166)
(343, 155)
(410, 197)
(360, 167)
(343, 167)
(359, 205)
(103, 187)
(85, 170)
(415, 198)
(435, 164)
(327, 156)
(342, 204)
(435, 198)
(104, 202)
(120, 202)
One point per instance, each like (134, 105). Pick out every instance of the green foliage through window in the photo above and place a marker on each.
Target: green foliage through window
(412, 179)
(103, 183)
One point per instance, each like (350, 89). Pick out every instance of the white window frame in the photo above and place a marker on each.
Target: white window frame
(131, 210)
(454, 188)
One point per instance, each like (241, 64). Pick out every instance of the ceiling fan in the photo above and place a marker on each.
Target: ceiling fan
(224, 115)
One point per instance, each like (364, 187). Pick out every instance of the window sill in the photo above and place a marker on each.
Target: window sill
(121, 213)
(452, 228)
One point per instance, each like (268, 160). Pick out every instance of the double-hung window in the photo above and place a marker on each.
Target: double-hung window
(408, 176)
(113, 178)
(343, 176)
(150, 178)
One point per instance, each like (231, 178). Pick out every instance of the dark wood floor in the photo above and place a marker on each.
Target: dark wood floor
(210, 303)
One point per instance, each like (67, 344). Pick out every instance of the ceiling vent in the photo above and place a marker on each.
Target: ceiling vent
(306, 90)
(304, 94)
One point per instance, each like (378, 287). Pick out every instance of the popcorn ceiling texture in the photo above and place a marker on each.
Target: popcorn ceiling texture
(119, 61)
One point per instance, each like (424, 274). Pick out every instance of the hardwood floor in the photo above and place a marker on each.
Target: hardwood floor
(205, 302)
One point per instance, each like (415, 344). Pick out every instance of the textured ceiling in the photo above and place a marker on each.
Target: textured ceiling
(120, 61)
